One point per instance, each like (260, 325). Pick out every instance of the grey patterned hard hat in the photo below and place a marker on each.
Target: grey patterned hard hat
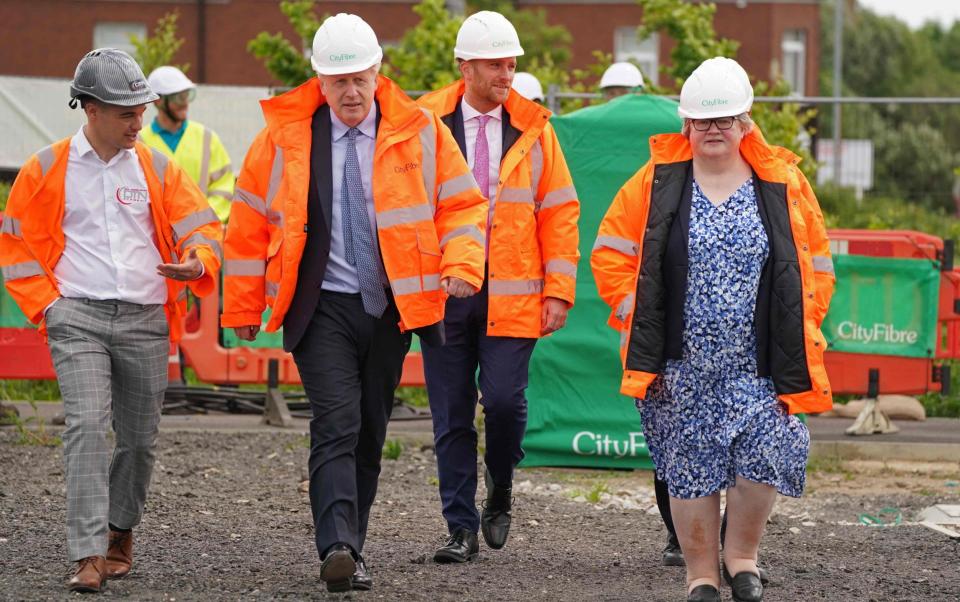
(111, 76)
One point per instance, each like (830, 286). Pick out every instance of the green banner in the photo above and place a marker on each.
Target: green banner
(884, 306)
(577, 416)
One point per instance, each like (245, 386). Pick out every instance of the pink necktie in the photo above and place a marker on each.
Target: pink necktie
(481, 168)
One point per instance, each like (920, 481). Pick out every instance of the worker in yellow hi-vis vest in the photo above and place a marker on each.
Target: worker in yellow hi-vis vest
(196, 148)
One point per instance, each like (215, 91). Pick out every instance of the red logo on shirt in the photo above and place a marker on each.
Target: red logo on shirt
(128, 196)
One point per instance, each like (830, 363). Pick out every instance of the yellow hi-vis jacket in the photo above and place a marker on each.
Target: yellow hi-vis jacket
(534, 241)
(430, 214)
(204, 158)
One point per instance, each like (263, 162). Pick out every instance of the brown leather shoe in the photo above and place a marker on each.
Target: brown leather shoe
(119, 554)
(90, 576)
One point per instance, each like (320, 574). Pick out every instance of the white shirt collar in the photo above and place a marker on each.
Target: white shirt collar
(470, 113)
(82, 145)
(367, 127)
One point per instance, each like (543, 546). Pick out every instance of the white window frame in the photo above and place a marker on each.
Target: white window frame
(116, 34)
(793, 48)
(646, 53)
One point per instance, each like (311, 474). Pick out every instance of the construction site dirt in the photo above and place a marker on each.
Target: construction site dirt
(228, 518)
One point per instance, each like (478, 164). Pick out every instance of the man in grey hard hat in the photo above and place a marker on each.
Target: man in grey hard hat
(100, 238)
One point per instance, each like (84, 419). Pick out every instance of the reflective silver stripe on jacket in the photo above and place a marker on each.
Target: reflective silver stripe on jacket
(199, 239)
(515, 195)
(10, 225)
(272, 288)
(275, 216)
(411, 285)
(561, 266)
(516, 287)
(215, 176)
(193, 221)
(625, 307)
(160, 162)
(45, 157)
(24, 269)
(470, 230)
(205, 162)
(404, 215)
(428, 154)
(244, 267)
(250, 200)
(455, 186)
(536, 169)
(627, 247)
(822, 264)
(559, 196)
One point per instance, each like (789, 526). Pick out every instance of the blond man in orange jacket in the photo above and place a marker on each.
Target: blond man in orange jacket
(355, 216)
(529, 286)
(100, 239)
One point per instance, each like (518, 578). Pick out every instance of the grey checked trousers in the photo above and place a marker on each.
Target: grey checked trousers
(111, 363)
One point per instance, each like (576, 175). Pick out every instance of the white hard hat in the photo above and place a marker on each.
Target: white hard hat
(487, 35)
(169, 80)
(719, 87)
(527, 85)
(345, 44)
(622, 74)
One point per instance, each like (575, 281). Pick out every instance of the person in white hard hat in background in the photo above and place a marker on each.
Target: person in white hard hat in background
(715, 261)
(620, 79)
(530, 283)
(528, 86)
(195, 147)
(88, 249)
(376, 218)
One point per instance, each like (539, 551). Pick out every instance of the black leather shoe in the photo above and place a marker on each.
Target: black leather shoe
(461, 547)
(337, 568)
(764, 575)
(361, 577)
(672, 554)
(704, 593)
(495, 518)
(746, 586)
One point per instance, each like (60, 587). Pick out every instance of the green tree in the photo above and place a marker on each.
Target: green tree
(286, 61)
(423, 60)
(690, 26)
(160, 48)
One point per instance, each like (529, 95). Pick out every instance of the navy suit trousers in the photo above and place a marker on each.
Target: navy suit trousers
(453, 380)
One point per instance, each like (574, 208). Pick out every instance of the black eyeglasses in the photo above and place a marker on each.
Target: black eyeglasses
(722, 123)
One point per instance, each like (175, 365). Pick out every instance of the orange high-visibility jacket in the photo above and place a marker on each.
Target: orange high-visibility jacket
(31, 236)
(630, 246)
(430, 214)
(534, 241)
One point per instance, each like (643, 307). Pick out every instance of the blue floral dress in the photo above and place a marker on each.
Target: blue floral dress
(708, 417)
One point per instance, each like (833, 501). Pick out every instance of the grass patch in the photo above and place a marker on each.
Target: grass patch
(414, 396)
(594, 494)
(29, 390)
(393, 449)
(32, 430)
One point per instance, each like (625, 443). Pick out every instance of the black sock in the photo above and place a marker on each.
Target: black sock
(118, 529)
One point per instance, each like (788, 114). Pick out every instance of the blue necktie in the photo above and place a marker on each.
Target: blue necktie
(357, 237)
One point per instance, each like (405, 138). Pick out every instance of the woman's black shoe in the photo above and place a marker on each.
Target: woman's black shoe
(704, 593)
(746, 586)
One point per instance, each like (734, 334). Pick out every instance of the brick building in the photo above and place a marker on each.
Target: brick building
(47, 37)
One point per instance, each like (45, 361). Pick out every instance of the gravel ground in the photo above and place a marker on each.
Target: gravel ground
(227, 520)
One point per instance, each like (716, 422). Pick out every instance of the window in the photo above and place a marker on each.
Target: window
(794, 48)
(626, 46)
(117, 35)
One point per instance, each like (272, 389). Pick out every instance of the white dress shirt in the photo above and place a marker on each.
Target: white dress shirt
(494, 130)
(109, 234)
(340, 276)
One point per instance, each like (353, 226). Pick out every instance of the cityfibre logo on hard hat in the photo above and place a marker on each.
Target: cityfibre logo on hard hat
(138, 85)
(502, 43)
(715, 102)
(339, 58)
